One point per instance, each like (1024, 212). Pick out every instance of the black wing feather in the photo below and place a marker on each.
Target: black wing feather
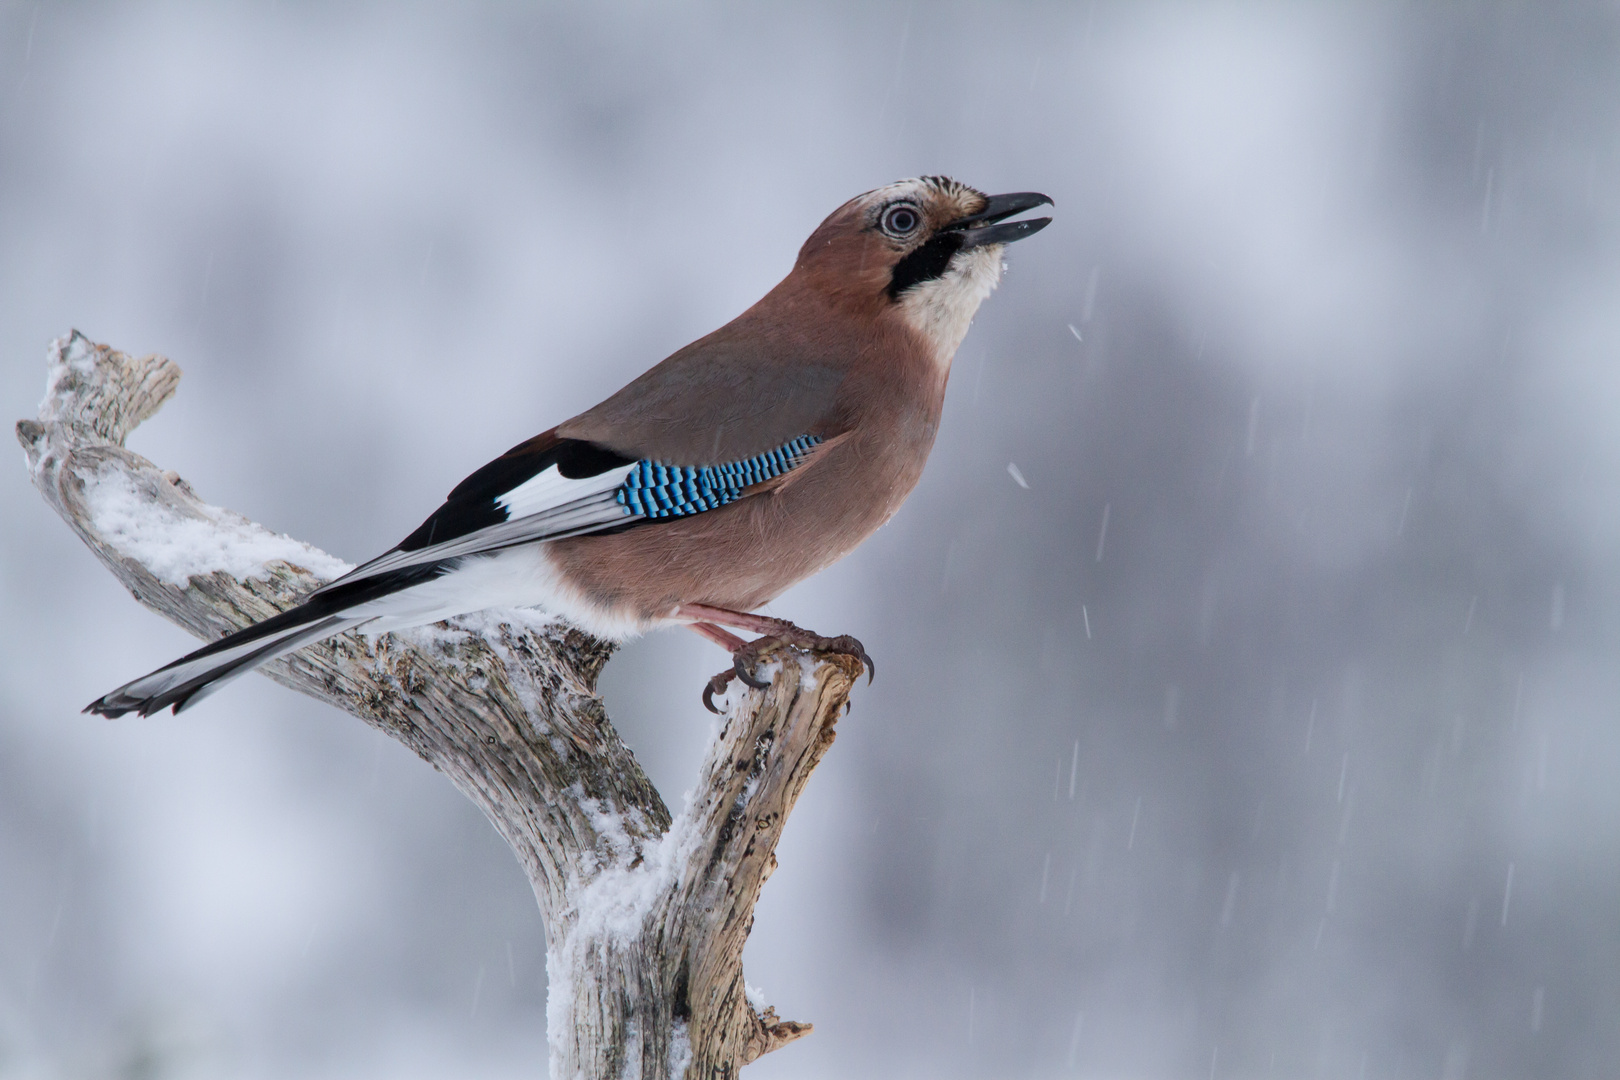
(474, 503)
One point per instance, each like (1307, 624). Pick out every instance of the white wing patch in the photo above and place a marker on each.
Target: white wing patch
(549, 490)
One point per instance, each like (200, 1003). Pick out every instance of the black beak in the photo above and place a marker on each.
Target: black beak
(981, 228)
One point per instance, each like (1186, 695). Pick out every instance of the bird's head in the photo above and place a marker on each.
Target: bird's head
(927, 249)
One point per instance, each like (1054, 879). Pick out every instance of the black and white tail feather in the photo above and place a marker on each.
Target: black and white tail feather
(544, 489)
(548, 488)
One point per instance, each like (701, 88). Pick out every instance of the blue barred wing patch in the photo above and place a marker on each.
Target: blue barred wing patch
(655, 490)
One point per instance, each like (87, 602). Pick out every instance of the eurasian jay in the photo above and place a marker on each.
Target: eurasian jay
(745, 462)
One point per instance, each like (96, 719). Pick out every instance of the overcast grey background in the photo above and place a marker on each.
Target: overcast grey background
(1307, 768)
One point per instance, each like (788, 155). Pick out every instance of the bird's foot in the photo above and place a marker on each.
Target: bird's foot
(751, 656)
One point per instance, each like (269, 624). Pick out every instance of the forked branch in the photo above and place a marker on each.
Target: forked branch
(645, 917)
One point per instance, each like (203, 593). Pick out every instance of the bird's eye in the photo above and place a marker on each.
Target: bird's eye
(900, 220)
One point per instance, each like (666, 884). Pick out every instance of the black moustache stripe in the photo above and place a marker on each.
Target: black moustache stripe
(925, 264)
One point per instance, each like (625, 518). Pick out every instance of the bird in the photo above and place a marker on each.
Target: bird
(738, 466)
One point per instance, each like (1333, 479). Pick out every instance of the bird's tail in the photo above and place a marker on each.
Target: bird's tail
(193, 677)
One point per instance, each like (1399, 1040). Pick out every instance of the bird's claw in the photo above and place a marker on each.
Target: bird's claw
(848, 646)
(748, 677)
(717, 685)
(743, 666)
(746, 661)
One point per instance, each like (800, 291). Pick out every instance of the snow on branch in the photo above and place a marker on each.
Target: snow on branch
(645, 918)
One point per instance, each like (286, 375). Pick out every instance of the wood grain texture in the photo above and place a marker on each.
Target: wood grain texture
(646, 918)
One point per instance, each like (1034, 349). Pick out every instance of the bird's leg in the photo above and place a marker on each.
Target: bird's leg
(719, 635)
(746, 657)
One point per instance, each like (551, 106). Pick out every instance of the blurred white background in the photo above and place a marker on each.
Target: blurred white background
(1306, 769)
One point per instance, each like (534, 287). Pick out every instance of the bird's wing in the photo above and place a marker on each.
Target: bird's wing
(553, 487)
(754, 384)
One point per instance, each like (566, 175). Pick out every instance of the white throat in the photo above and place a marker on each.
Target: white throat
(942, 309)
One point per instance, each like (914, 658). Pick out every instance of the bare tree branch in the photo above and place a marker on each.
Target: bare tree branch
(645, 917)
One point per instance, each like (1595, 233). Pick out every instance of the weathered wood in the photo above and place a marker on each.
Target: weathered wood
(645, 917)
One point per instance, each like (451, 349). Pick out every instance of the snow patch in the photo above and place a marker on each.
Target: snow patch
(70, 357)
(680, 1049)
(755, 996)
(808, 682)
(176, 547)
(632, 873)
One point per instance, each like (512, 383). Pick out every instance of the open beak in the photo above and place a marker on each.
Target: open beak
(983, 228)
